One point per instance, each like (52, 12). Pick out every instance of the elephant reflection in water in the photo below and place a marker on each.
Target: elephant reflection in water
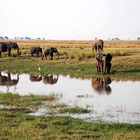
(47, 79)
(50, 79)
(35, 78)
(101, 84)
(6, 80)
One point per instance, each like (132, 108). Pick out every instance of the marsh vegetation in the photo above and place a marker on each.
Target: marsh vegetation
(17, 123)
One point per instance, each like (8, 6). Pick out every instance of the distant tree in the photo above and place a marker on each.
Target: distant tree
(1, 38)
(6, 37)
(38, 38)
(138, 38)
(28, 38)
(116, 38)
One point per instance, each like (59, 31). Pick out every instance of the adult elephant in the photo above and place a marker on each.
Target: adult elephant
(98, 45)
(107, 64)
(50, 79)
(37, 51)
(50, 51)
(7, 46)
(101, 84)
(99, 62)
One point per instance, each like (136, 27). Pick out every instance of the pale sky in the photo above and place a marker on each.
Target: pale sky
(70, 19)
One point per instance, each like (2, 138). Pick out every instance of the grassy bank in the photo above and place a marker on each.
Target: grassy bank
(15, 123)
(76, 58)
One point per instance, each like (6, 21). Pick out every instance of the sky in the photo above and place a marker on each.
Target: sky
(70, 19)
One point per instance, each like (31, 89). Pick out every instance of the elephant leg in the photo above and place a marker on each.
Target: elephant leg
(95, 49)
(105, 69)
(102, 65)
(32, 54)
(51, 54)
(37, 54)
(9, 52)
(42, 56)
(45, 55)
(97, 68)
(108, 68)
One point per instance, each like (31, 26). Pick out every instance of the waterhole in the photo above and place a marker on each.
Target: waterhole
(108, 100)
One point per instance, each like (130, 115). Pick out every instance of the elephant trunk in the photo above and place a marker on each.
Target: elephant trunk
(58, 54)
(41, 53)
(18, 51)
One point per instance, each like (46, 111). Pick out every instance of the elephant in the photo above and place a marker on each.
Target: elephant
(7, 46)
(107, 64)
(35, 78)
(98, 45)
(37, 51)
(99, 62)
(50, 79)
(7, 80)
(101, 84)
(50, 51)
(103, 64)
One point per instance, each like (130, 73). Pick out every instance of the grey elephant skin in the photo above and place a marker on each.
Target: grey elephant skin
(7, 46)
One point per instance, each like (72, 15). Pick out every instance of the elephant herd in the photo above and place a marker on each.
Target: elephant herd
(103, 62)
(47, 52)
(37, 51)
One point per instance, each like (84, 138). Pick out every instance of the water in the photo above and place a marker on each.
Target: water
(108, 100)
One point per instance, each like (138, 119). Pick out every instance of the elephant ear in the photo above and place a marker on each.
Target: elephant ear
(99, 57)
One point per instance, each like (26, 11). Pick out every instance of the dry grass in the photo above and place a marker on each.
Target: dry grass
(77, 56)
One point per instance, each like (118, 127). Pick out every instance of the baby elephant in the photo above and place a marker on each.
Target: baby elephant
(50, 51)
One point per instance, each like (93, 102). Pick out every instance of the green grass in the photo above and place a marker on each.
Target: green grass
(30, 101)
(16, 123)
(74, 110)
(123, 67)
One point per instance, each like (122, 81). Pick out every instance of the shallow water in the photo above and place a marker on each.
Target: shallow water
(108, 100)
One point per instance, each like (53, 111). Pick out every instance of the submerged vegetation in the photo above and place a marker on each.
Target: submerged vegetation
(74, 110)
(16, 123)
